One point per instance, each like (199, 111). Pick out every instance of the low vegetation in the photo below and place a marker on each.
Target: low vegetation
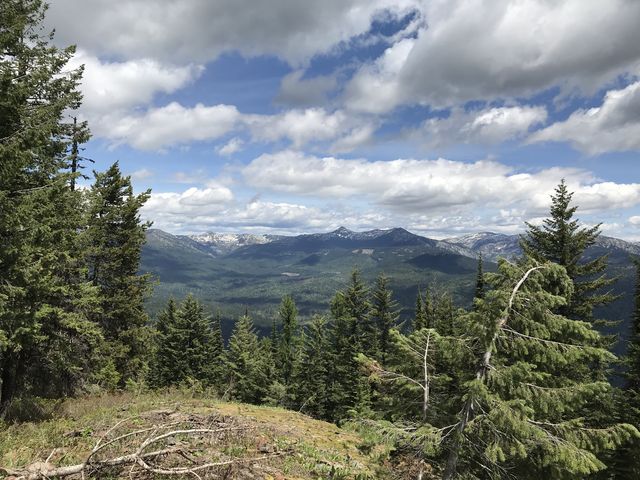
(248, 441)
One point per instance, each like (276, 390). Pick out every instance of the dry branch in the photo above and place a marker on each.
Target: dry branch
(147, 461)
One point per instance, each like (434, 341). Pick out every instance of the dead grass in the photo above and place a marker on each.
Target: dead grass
(311, 449)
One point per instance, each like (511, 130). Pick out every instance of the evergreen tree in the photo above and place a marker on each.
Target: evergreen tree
(218, 352)
(247, 367)
(479, 291)
(314, 381)
(115, 237)
(522, 402)
(626, 463)
(347, 391)
(186, 350)
(384, 313)
(79, 134)
(429, 309)
(357, 306)
(420, 318)
(562, 240)
(161, 369)
(633, 346)
(288, 339)
(44, 330)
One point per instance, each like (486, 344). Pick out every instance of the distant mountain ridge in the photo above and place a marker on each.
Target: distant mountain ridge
(488, 244)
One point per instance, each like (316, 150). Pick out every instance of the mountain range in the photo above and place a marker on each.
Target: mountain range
(237, 272)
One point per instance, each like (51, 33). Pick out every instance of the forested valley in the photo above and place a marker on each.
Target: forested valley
(522, 384)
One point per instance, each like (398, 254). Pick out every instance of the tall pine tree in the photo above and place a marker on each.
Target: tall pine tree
(384, 312)
(288, 339)
(44, 330)
(562, 240)
(248, 371)
(115, 236)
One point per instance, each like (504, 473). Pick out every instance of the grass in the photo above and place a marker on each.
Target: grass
(311, 449)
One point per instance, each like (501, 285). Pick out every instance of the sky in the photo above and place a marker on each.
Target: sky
(444, 117)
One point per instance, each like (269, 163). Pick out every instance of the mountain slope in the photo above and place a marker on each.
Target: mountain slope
(256, 274)
(232, 273)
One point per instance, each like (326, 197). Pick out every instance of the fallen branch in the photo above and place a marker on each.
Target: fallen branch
(140, 458)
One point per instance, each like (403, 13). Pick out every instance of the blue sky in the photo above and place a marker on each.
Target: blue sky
(443, 117)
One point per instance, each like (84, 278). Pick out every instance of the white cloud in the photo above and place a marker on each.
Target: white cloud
(199, 30)
(613, 126)
(432, 185)
(109, 86)
(204, 210)
(375, 88)
(142, 174)
(170, 125)
(488, 126)
(232, 146)
(474, 50)
(304, 126)
(634, 220)
(190, 202)
(303, 92)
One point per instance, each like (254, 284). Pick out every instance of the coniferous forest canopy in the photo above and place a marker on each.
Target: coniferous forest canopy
(521, 383)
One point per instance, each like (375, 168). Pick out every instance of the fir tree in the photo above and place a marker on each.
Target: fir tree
(633, 346)
(384, 313)
(288, 339)
(357, 306)
(479, 291)
(314, 381)
(79, 134)
(115, 237)
(217, 352)
(346, 394)
(160, 372)
(522, 403)
(247, 367)
(562, 240)
(420, 318)
(186, 350)
(44, 330)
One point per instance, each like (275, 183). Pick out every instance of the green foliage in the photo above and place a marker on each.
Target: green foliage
(384, 314)
(479, 291)
(524, 402)
(562, 240)
(44, 299)
(287, 341)
(315, 380)
(187, 349)
(248, 364)
(114, 240)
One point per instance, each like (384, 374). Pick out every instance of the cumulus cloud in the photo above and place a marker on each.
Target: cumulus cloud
(417, 185)
(232, 146)
(108, 86)
(170, 125)
(199, 30)
(613, 126)
(488, 126)
(634, 220)
(203, 210)
(473, 50)
(304, 126)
